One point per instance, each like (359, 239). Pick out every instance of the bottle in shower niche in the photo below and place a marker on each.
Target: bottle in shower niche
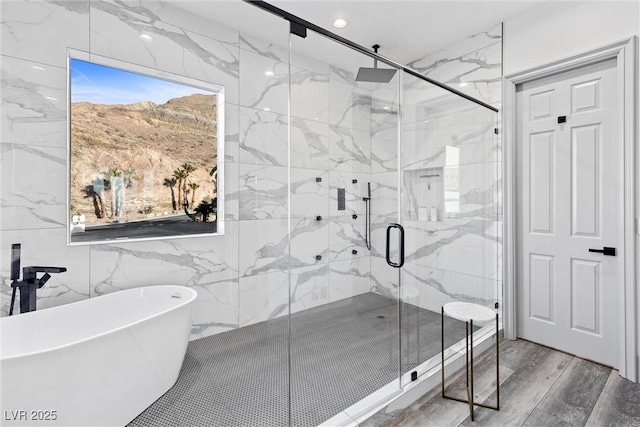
(434, 213)
(422, 213)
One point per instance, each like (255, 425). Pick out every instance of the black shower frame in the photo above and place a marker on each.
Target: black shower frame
(299, 27)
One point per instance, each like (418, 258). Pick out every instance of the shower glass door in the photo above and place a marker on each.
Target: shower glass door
(449, 209)
(342, 166)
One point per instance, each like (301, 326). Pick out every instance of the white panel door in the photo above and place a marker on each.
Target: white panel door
(569, 202)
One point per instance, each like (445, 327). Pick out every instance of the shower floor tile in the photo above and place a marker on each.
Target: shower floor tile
(340, 353)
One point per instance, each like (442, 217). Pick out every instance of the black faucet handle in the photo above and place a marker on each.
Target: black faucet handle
(38, 269)
(43, 280)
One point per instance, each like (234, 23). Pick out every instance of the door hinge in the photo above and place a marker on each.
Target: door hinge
(497, 306)
(495, 130)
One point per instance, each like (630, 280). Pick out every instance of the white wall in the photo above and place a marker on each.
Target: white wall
(556, 30)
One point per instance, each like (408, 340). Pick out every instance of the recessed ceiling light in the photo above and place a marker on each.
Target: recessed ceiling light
(267, 109)
(463, 84)
(51, 98)
(385, 108)
(146, 37)
(268, 73)
(35, 67)
(340, 23)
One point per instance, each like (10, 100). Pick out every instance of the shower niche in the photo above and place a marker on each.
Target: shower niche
(433, 194)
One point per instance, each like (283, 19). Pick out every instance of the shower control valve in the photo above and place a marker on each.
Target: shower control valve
(354, 216)
(319, 218)
(318, 257)
(354, 252)
(354, 181)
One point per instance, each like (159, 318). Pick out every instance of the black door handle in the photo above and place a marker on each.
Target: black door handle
(606, 251)
(388, 249)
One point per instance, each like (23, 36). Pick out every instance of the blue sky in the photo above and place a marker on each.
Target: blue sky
(104, 85)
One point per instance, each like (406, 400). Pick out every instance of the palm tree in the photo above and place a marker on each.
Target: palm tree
(171, 183)
(180, 175)
(193, 186)
(187, 168)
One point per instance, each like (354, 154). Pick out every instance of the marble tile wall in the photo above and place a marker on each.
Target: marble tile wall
(243, 276)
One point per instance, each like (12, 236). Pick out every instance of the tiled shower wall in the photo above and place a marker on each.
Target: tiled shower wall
(241, 277)
(338, 136)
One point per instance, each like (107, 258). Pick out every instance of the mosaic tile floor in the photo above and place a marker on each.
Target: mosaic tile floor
(340, 353)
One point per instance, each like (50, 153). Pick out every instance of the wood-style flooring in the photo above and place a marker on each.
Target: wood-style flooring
(538, 387)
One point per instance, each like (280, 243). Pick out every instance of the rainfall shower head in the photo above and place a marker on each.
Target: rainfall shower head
(375, 74)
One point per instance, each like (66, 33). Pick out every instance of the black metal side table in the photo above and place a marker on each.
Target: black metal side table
(470, 314)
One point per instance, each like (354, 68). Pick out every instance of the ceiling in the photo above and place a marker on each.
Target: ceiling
(406, 30)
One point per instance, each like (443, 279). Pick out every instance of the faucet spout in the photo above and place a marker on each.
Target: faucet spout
(29, 283)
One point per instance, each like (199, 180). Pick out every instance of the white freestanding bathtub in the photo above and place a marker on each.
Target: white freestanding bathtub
(97, 362)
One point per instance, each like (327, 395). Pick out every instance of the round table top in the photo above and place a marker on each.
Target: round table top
(467, 311)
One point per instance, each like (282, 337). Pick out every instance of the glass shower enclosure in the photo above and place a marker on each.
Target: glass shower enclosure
(367, 196)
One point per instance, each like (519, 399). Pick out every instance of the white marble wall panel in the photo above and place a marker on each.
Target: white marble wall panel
(384, 150)
(25, 23)
(264, 83)
(349, 150)
(302, 57)
(346, 235)
(34, 103)
(45, 247)
(349, 106)
(384, 193)
(470, 44)
(185, 262)
(231, 132)
(354, 192)
(384, 278)
(216, 308)
(309, 144)
(435, 144)
(309, 287)
(463, 246)
(309, 94)
(264, 137)
(349, 278)
(379, 224)
(438, 287)
(264, 246)
(268, 48)
(167, 11)
(172, 49)
(309, 197)
(263, 297)
(262, 191)
(384, 106)
(309, 239)
(34, 192)
(231, 192)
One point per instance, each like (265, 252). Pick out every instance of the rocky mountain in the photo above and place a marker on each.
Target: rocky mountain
(144, 144)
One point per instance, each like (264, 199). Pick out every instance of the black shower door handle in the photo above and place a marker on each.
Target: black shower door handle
(388, 250)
